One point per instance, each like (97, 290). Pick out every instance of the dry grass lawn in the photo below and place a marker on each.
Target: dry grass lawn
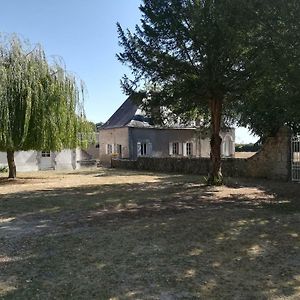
(243, 154)
(108, 234)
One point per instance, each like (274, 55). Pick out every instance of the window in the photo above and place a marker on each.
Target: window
(46, 154)
(119, 149)
(144, 149)
(227, 146)
(189, 149)
(175, 148)
(109, 149)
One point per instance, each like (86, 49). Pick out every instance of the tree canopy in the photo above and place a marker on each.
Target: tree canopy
(41, 104)
(195, 56)
(272, 99)
(192, 53)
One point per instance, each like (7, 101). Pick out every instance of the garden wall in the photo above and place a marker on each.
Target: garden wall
(272, 162)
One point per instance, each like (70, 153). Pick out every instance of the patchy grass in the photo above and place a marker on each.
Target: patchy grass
(110, 234)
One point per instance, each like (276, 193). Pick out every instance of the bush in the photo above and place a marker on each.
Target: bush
(3, 169)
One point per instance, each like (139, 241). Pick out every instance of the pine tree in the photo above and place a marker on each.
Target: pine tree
(192, 52)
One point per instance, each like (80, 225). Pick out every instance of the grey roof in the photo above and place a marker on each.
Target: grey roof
(122, 116)
(129, 114)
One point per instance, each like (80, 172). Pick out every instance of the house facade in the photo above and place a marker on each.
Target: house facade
(128, 134)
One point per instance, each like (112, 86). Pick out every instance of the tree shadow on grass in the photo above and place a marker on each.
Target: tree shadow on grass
(171, 239)
(282, 196)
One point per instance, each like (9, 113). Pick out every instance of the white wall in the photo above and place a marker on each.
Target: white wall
(65, 160)
(26, 161)
(94, 150)
(205, 147)
(3, 160)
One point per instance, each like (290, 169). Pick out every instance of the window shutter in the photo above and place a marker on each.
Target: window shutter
(223, 149)
(149, 149)
(170, 148)
(184, 149)
(180, 148)
(230, 147)
(107, 146)
(192, 149)
(139, 149)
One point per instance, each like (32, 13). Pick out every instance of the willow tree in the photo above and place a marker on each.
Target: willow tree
(191, 50)
(41, 105)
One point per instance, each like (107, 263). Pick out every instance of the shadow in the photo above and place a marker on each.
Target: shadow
(34, 177)
(171, 239)
(283, 196)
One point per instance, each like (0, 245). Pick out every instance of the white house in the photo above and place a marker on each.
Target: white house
(68, 159)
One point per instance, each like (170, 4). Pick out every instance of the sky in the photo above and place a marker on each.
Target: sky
(84, 34)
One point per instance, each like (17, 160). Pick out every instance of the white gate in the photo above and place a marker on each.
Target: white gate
(295, 158)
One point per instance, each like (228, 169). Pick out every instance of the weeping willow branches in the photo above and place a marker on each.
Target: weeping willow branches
(41, 105)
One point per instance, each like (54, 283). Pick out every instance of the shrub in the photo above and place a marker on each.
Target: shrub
(3, 169)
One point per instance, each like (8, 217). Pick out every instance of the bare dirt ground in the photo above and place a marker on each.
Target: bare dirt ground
(108, 234)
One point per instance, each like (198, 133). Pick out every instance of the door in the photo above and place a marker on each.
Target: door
(46, 161)
(119, 150)
(295, 158)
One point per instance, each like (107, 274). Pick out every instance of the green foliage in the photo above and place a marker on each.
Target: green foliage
(247, 147)
(214, 180)
(3, 169)
(189, 56)
(41, 104)
(187, 52)
(272, 99)
(244, 53)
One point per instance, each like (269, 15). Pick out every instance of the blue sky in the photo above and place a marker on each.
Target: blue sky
(83, 33)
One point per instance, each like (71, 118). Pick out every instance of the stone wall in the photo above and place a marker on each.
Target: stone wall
(272, 162)
(274, 159)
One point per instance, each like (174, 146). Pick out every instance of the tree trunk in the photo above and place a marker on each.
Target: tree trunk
(215, 176)
(11, 164)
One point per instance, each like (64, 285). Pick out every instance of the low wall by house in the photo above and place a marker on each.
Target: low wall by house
(271, 162)
(25, 161)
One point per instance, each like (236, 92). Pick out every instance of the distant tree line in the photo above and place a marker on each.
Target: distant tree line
(251, 147)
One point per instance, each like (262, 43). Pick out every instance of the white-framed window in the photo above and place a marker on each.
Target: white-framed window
(109, 149)
(175, 148)
(144, 149)
(46, 154)
(189, 149)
